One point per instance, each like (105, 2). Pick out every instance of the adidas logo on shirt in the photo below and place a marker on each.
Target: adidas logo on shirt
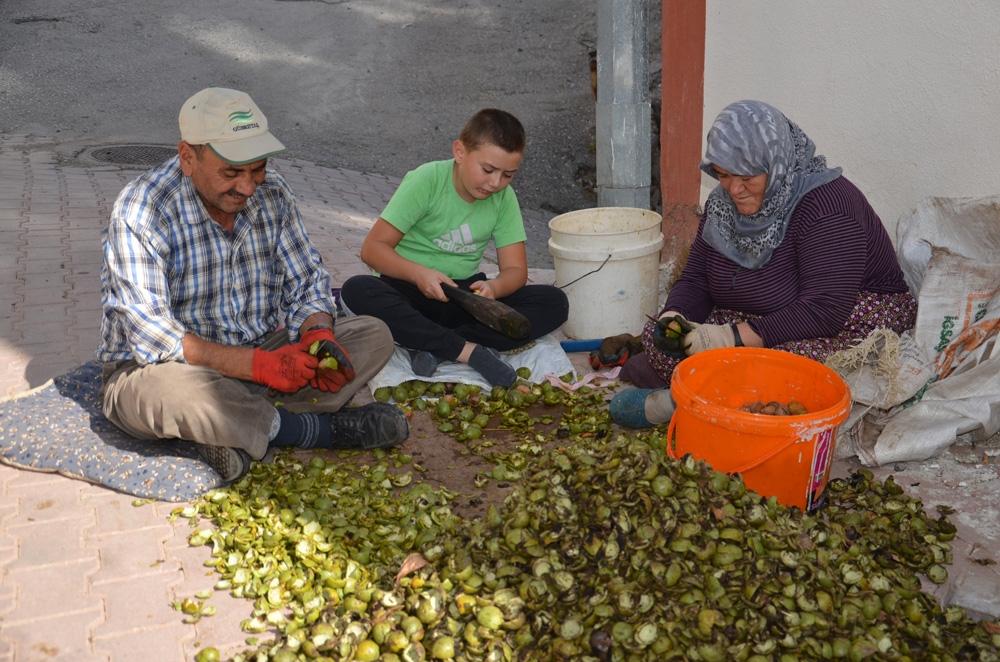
(458, 240)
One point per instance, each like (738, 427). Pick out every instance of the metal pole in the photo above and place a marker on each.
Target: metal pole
(623, 109)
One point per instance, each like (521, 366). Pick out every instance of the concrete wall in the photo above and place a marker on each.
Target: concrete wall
(903, 94)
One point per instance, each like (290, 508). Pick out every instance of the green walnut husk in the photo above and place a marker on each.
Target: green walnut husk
(605, 550)
(327, 361)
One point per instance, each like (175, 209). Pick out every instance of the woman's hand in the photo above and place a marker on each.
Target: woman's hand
(670, 331)
(428, 281)
(484, 288)
(709, 336)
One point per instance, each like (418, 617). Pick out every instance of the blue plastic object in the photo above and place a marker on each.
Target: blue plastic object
(570, 346)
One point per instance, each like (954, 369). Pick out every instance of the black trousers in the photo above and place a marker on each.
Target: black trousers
(443, 328)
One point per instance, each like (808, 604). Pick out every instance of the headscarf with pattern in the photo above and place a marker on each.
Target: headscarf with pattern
(750, 138)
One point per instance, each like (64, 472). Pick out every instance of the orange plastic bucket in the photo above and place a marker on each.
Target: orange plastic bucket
(787, 457)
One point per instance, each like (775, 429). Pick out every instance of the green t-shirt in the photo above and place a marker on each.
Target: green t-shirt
(444, 232)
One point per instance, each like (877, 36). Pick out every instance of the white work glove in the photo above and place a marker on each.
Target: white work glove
(709, 336)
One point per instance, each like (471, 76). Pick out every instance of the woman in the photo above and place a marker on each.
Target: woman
(788, 255)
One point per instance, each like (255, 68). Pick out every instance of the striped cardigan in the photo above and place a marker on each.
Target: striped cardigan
(834, 248)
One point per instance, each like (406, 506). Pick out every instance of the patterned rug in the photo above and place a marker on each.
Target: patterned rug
(59, 428)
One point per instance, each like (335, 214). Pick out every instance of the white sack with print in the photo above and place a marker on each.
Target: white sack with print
(949, 251)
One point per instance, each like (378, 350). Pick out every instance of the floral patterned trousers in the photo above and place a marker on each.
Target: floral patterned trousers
(898, 312)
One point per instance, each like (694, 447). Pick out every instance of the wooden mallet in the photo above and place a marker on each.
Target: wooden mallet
(494, 314)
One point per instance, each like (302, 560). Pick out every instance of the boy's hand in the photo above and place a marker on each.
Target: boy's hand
(484, 288)
(428, 281)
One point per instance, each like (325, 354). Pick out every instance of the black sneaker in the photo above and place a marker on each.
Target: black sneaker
(375, 425)
(230, 463)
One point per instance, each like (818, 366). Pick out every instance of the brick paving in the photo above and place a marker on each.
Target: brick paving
(85, 575)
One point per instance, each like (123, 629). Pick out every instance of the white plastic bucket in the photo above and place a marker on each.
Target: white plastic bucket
(617, 297)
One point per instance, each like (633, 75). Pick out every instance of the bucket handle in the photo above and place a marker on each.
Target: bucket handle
(562, 287)
(752, 464)
(670, 440)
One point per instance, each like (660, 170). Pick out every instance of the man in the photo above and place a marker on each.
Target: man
(208, 274)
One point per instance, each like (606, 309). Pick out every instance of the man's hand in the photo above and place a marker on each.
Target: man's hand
(320, 342)
(484, 288)
(670, 332)
(709, 336)
(286, 369)
(428, 281)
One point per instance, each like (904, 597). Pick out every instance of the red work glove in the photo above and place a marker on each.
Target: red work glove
(286, 369)
(327, 347)
(615, 351)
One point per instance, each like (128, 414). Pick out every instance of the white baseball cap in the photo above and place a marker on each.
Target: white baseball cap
(230, 123)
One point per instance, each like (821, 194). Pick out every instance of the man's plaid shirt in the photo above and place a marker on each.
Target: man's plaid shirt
(170, 269)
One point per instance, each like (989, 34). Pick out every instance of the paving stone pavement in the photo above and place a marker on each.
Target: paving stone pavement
(85, 575)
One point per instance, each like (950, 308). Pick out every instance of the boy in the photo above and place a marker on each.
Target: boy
(434, 230)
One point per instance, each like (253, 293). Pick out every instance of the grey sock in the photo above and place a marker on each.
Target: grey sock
(658, 406)
(423, 363)
(488, 363)
(275, 426)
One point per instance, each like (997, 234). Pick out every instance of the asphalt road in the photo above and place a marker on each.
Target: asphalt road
(371, 85)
